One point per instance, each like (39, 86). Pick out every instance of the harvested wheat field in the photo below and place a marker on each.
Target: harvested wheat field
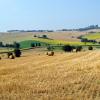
(64, 76)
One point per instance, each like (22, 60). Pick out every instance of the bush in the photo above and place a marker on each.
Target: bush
(44, 36)
(39, 44)
(67, 48)
(16, 45)
(36, 44)
(50, 48)
(17, 52)
(32, 45)
(35, 35)
(1, 44)
(90, 48)
(79, 48)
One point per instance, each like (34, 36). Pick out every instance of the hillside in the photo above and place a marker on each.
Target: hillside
(67, 36)
(65, 76)
(93, 36)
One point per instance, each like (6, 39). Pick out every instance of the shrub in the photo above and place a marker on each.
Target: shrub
(16, 45)
(36, 44)
(90, 48)
(44, 36)
(79, 48)
(35, 35)
(39, 44)
(67, 48)
(17, 52)
(1, 44)
(32, 45)
(49, 48)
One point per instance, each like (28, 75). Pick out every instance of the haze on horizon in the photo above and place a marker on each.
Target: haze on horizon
(48, 14)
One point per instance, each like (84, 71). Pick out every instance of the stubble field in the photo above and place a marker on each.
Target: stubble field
(64, 76)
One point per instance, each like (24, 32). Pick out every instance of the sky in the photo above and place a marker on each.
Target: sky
(48, 14)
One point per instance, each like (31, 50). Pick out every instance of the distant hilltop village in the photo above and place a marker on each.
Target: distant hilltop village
(79, 29)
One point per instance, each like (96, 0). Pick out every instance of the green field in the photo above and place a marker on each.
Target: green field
(93, 36)
(44, 42)
(2, 50)
(57, 44)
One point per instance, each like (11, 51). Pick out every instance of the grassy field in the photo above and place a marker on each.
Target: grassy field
(92, 36)
(27, 43)
(65, 76)
(5, 49)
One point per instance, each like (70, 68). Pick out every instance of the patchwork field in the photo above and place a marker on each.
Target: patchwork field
(65, 76)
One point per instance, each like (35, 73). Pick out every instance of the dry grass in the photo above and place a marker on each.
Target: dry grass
(65, 76)
(68, 36)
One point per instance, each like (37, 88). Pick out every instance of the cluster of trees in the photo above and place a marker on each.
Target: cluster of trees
(6, 45)
(43, 36)
(35, 44)
(14, 45)
(69, 48)
(86, 40)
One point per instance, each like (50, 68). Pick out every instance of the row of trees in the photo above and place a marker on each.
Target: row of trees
(8, 45)
(35, 44)
(86, 40)
(69, 48)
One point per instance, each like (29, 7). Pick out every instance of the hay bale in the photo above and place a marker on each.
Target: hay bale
(11, 57)
(9, 54)
(50, 53)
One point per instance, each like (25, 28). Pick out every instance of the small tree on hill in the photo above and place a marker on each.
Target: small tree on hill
(44, 36)
(35, 35)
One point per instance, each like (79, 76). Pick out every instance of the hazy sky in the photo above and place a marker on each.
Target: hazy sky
(48, 14)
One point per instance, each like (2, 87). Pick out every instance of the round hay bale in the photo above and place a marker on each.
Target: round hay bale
(0, 57)
(11, 57)
(50, 53)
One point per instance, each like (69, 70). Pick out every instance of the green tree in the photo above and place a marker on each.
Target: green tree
(90, 48)
(67, 48)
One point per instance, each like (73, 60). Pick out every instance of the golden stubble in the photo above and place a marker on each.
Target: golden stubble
(64, 76)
